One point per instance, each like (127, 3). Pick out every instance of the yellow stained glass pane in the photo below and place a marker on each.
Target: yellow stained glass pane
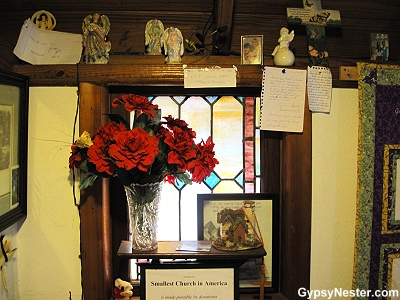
(228, 186)
(228, 136)
(197, 113)
(167, 106)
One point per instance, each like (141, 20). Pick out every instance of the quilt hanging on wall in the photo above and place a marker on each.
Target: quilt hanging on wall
(377, 255)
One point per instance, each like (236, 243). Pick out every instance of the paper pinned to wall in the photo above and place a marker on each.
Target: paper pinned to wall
(319, 88)
(283, 99)
(44, 47)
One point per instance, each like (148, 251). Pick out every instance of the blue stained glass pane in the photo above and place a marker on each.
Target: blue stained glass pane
(179, 99)
(179, 184)
(239, 179)
(211, 99)
(212, 180)
(240, 98)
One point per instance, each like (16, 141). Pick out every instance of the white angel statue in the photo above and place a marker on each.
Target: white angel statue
(173, 45)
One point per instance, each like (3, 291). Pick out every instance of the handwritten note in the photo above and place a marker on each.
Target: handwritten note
(41, 47)
(319, 87)
(283, 99)
(210, 77)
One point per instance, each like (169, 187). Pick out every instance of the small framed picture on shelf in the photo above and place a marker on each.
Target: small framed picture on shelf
(214, 220)
(252, 49)
(379, 46)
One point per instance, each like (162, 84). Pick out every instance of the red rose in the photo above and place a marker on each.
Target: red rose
(173, 123)
(182, 147)
(134, 148)
(201, 167)
(135, 102)
(98, 152)
(76, 158)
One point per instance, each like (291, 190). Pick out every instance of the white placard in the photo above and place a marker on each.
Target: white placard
(202, 283)
(210, 78)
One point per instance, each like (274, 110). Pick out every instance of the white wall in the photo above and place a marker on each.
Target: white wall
(46, 264)
(334, 160)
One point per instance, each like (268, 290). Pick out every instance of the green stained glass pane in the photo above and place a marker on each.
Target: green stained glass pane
(240, 98)
(197, 113)
(167, 105)
(228, 136)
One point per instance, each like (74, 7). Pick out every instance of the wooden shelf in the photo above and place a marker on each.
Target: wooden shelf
(145, 70)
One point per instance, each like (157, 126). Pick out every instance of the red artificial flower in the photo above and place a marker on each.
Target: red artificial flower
(98, 152)
(169, 178)
(135, 102)
(182, 147)
(201, 167)
(173, 123)
(134, 148)
(76, 158)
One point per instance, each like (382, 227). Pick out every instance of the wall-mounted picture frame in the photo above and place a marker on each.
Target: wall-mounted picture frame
(252, 49)
(267, 213)
(14, 89)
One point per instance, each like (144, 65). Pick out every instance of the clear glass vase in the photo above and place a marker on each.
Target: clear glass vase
(143, 202)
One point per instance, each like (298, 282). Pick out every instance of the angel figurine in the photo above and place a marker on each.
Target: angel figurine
(173, 45)
(153, 37)
(95, 40)
(283, 56)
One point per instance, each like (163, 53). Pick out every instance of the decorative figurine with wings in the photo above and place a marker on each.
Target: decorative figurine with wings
(95, 40)
(173, 45)
(153, 37)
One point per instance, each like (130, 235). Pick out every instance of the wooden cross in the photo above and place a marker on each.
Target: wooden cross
(315, 18)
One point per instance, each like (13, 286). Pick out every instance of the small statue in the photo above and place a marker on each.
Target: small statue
(173, 45)
(153, 37)
(283, 56)
(95, 40)
(122, 290)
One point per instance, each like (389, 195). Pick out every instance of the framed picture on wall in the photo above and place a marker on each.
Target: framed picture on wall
(13, 147)
(266, 208)
(252, 49)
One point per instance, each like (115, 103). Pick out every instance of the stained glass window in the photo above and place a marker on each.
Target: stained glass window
(232, 123)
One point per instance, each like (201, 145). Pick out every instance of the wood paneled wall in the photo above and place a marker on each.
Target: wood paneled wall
(266, 17)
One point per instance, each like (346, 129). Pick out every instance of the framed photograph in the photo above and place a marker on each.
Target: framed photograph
(379, 46)
(266, 211)
(252, 49)
(13, 147)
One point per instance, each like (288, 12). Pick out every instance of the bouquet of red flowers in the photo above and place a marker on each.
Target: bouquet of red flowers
(151, 151)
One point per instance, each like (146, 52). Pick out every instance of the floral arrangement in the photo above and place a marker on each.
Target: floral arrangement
(153, 150)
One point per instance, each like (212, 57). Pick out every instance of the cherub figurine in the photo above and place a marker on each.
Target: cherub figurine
(173, 45)
(283, 56)
(153, 37)
(95, 40)
(122, 290)
(284, 40)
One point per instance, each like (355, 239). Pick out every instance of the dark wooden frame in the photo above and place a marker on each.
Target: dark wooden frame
(18, 210)
(257, 197)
